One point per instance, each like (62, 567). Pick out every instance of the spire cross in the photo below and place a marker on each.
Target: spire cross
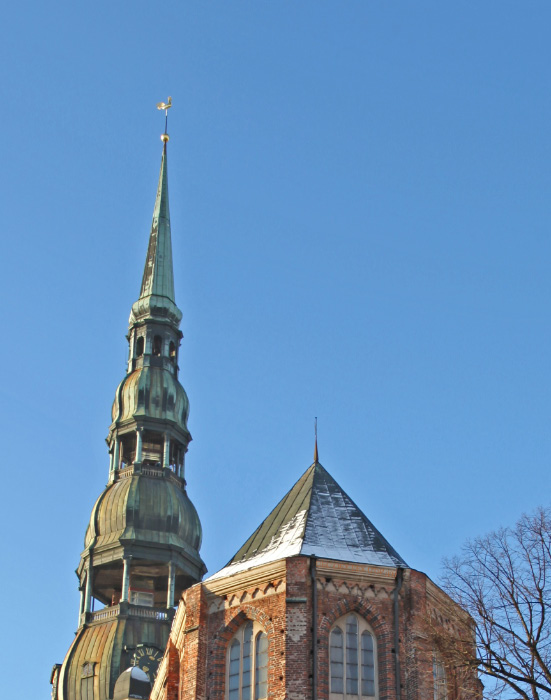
(166, 106)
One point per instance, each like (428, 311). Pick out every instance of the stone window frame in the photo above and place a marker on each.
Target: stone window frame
(363, 627)
(257, 631)
(439, 678)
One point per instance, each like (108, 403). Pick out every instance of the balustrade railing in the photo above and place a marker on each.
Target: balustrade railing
(149, 470)
(131, 610)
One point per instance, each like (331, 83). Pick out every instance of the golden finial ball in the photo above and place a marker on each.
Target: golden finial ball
(165, 138)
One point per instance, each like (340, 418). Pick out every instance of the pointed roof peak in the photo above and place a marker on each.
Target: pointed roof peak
(315, 518)
(156, 298)
(158, 276)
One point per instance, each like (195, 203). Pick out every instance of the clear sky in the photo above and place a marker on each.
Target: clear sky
(360, 200)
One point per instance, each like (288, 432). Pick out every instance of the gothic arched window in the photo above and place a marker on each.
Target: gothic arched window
(440, 682)
(247, 664)
(353, 659)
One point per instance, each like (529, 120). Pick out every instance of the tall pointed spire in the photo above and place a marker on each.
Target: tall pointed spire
(156, 300)
(158, 275)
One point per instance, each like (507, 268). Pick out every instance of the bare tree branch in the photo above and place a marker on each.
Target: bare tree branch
(503, 582)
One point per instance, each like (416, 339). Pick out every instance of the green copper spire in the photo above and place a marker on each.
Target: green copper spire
(142, 545)
(156, 300)
(158, 276)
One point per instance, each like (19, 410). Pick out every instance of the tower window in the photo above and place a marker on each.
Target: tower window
(145, 598)
(440, 682)
(172, 351)
(247, 664)
(87, 682)
(352, 655)
(157, 345)
(139, 346)
(127, 450)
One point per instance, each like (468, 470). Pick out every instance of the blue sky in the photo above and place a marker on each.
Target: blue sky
(360, 213)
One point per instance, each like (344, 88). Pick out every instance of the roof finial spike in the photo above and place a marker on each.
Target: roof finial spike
(166, 106)
(316, 440)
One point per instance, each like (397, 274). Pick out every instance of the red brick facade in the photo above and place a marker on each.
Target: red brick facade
(278, 597)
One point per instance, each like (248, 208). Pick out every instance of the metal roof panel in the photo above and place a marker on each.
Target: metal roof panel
(315, 518)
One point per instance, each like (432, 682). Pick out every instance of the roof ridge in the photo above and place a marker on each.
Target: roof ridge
(269, 521)
(378, 543)
(314, 467)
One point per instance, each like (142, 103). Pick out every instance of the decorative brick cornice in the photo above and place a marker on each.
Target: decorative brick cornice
(257, 576)
(355, 572)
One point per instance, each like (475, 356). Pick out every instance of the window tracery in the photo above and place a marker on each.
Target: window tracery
(353, 659)
(247, 664)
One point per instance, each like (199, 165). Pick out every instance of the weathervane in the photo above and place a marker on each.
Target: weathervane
(166, 106)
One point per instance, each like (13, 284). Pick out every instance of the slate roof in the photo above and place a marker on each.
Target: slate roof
(318, 518)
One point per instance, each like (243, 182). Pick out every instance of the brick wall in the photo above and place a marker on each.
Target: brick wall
(281, 603)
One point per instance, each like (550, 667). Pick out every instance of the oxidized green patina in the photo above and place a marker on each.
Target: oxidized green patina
(142, 543)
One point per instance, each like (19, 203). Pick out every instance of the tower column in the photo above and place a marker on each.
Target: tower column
(183, 464)
(171, 584)
(88, 594)
(81, 606)
(125, 578)
(116, 454)
(166, 452)
(138, 457)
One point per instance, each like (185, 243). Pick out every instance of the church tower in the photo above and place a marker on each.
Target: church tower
(141, 548)
(316, 604)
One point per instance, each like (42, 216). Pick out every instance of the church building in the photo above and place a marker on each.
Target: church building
(316, 605)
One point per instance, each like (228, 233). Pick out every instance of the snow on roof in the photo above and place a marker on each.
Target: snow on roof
(316, 517)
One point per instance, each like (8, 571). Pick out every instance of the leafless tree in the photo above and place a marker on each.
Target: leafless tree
(503, 580)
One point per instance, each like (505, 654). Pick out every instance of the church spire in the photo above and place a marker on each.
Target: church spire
(158, 276)
(142, 544)
(156, 300)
